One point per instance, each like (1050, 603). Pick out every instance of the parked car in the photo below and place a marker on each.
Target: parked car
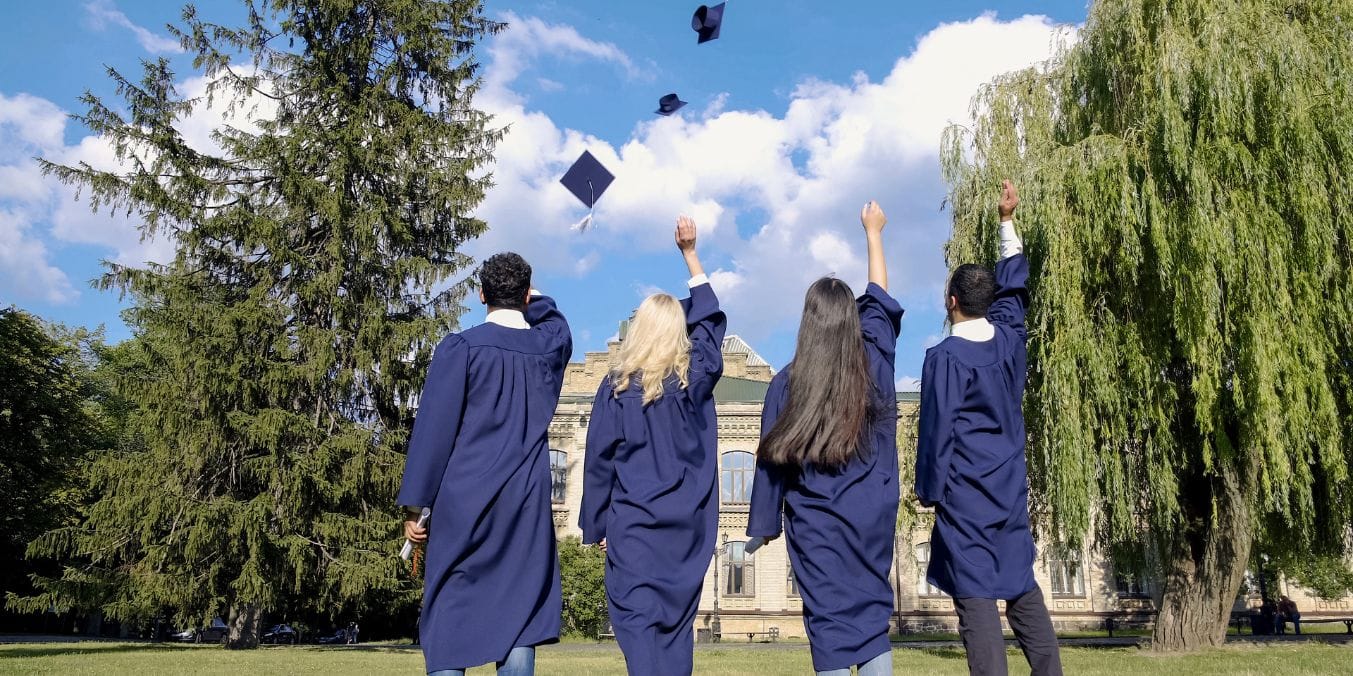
(340, 636)
(216, 633)
(281, 633)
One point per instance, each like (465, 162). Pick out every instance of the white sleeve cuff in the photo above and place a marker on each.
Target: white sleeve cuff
(1010, 242)
(697, 280)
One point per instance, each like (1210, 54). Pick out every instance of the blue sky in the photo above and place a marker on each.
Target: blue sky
(798, 114)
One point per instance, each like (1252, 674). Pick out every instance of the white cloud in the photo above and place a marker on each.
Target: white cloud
(25, 270)
(27, 124)
(851, 142)
(527, 38)
(101, 13)
(908, 384)
(37, 210)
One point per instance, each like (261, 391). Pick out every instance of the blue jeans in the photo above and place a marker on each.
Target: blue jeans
(879, 666)
(520, 662)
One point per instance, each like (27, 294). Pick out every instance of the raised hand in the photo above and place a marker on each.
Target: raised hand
(872, 217)
(1009, 200)
(685, 234)
(873, 220)
(685, 241)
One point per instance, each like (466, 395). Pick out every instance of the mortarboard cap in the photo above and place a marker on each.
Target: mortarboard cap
(587, 179)
(669, 104)
(707, 21)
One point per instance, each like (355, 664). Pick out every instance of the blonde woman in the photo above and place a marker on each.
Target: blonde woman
(648, 495)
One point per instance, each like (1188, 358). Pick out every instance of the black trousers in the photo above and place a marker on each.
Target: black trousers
(979, 623)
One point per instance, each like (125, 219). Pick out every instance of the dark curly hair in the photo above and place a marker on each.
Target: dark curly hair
(975, 288)
(505, 279)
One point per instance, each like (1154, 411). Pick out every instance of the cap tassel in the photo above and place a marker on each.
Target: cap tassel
(586, 222)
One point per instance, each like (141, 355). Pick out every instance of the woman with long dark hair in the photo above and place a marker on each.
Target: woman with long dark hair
(827, 465)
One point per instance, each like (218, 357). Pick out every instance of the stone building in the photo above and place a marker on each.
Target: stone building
(757, 593)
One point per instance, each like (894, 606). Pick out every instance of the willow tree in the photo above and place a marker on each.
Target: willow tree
(1187, 213)
(316, 265)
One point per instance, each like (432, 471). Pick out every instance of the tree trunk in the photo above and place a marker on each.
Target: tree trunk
(1204, 566)
(243, 627)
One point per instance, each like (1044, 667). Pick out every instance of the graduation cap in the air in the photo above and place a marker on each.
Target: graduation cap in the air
(587, 180)
(707, 21)
(669, 104)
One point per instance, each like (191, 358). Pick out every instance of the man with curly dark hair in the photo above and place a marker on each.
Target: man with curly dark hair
(479, 458)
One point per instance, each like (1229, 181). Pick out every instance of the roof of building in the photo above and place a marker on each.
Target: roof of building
(730, 389)
(735, 344)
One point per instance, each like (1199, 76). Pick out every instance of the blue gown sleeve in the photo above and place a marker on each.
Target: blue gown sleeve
(765, 513)
(880, 321)
(604, 436)
(1012, 294)
(941, 395)
(706, 324)
(436, 424)
(543, 315)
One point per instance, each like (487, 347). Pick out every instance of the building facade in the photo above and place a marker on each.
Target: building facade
(758, 593)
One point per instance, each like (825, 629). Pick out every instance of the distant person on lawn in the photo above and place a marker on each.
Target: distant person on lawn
(1287, 612)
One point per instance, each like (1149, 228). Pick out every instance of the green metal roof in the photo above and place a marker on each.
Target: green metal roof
(740, 390)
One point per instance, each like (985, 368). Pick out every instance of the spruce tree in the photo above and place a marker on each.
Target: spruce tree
(1184, 168)
(317, 263)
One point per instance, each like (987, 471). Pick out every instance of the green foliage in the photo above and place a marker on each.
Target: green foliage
(1184, 171)
(1329, 577)
(583, 575)
(316, 266)
(51, 416)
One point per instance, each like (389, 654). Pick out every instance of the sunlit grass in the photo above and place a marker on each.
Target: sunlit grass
(577, 659)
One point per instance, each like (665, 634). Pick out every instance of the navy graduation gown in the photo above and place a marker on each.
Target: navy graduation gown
(479, 457)
(649, 489)
(841, 524)
(970, 458)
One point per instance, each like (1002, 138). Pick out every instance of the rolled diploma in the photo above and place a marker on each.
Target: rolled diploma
(407, 551)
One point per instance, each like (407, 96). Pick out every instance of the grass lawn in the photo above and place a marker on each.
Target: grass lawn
(140, 659)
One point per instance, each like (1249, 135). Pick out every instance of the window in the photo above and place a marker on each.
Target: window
(1130, 586)
(739, 571)
(558, 475)
(1065, 573)
(792, 583)
(739, 467)
(923, 586)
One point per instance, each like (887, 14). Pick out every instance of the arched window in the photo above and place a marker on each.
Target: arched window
(923, 586)
(739, 467)
(558, 475)
(1064, 572)
(739, 571)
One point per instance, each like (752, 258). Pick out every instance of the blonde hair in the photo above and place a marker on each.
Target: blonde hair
(656, 346)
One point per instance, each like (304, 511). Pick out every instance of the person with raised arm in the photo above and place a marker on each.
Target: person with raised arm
(826, 468)
(970, 461)
(479, 458)
(648, 494)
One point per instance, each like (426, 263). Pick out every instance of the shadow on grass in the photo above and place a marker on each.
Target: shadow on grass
(93, 648)
(54, 649)
(946, 653)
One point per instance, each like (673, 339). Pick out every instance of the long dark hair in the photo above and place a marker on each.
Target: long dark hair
(831, 395)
